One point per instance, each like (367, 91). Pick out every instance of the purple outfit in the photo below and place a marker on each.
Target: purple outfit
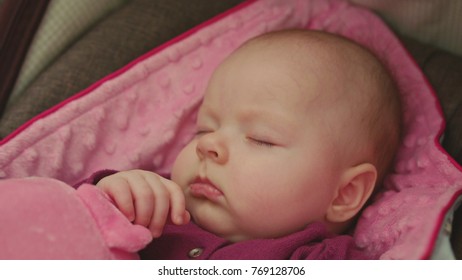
(191, 242)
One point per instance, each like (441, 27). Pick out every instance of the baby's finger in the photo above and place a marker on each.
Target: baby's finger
(143, 199)
(119, 191)
(161, 205)
(178, 213)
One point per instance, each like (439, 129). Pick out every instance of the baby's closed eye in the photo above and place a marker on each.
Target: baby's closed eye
(203, 130)
(261, 141)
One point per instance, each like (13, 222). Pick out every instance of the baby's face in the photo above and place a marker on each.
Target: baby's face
(262, 164)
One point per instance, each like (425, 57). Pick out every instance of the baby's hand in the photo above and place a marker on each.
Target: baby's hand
(146, 198)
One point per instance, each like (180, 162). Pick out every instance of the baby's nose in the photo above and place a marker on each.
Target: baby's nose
(212, 146)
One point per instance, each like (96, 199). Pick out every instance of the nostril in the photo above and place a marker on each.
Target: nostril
(213, 154)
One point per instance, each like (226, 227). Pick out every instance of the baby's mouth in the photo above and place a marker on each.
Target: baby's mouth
(204, 188)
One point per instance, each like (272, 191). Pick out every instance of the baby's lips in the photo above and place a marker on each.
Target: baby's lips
(205, 190)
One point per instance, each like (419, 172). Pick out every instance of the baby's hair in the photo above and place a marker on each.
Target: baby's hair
(384, 121)
(378, 101)
(382, 116)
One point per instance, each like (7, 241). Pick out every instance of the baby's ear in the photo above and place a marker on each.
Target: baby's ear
(356, 187)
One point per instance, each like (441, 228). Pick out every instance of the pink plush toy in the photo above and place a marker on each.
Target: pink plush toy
(47, 219)
(142, 115)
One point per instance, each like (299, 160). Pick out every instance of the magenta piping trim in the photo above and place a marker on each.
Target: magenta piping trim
(428, 251)
(127, 67)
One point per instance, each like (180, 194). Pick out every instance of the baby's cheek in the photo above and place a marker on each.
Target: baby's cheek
(183, 164)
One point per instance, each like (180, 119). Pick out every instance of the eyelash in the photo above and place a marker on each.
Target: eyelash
(202, 132)
(261, 142)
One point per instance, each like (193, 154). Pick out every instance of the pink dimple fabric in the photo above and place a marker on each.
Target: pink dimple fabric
(141, 116)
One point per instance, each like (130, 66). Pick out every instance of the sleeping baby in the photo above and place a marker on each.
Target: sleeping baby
(296, 130)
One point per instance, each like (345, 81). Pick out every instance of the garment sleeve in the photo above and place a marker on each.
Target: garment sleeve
(95, 177)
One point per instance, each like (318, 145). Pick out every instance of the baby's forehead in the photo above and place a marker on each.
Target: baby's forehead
(306, 49)
(320, 66)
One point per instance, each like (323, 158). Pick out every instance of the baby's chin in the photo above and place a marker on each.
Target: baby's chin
(232, 236)
(227, 233)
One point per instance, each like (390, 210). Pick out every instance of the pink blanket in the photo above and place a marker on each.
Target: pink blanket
(141, 116)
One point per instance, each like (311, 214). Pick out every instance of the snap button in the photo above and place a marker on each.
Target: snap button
(196, 252)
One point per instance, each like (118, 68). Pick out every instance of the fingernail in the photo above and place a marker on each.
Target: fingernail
(178, 220)
(156, 233)
(186, 217)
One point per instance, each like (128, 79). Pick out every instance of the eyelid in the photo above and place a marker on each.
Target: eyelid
(260, 142)
(205, 124)
(200, 132)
